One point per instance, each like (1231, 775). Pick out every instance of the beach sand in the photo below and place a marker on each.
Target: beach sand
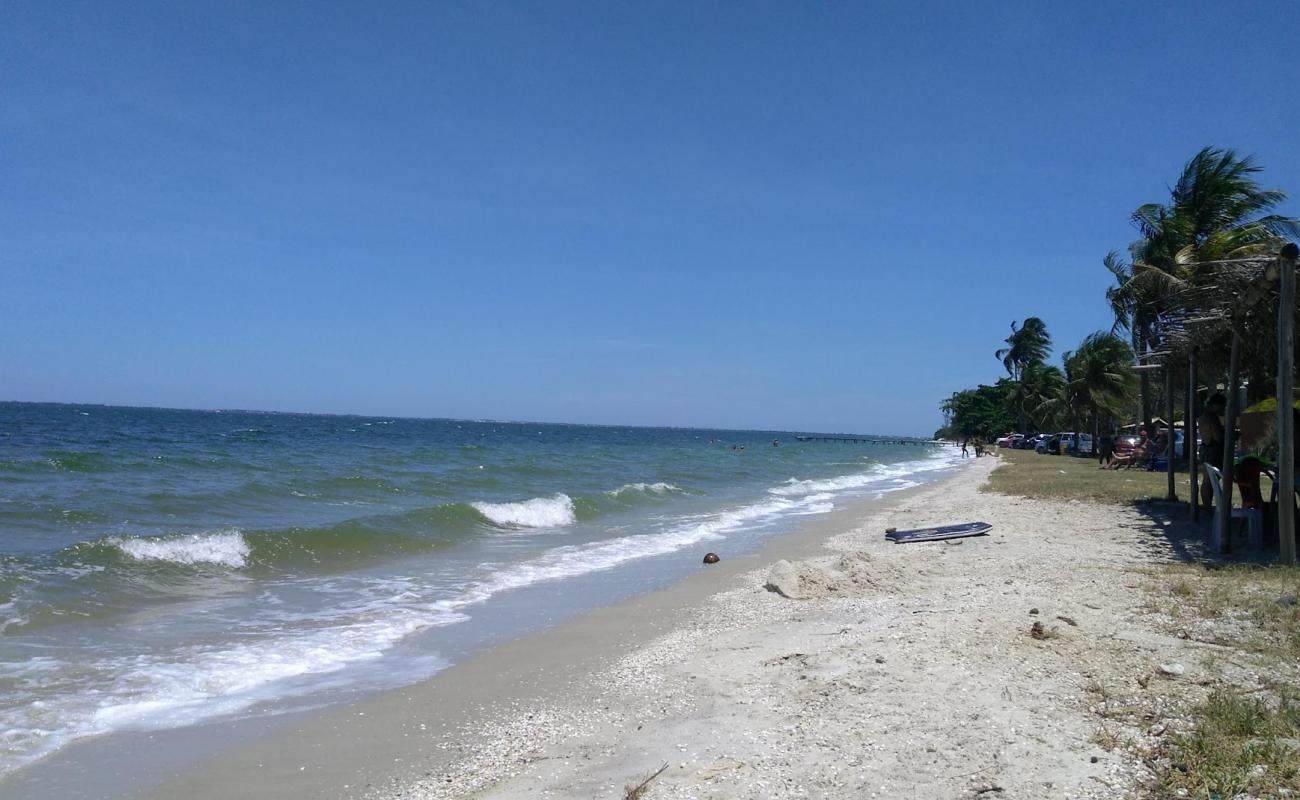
(901, 671)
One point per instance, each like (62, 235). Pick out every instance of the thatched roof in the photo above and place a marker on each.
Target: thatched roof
(1202, 313)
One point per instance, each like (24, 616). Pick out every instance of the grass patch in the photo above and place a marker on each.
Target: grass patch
(1265, 601)
(1239, 745)
(1238, 741)
(1027, 474)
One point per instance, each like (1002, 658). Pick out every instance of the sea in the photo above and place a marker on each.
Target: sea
(163, 568)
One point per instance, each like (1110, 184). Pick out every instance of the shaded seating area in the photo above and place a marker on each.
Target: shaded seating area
(1252, 515)
(1228, 327)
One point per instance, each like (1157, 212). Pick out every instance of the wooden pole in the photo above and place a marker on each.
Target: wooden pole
(1189, 439)
(1171, 493)
(1223, 532)
(1285, 416)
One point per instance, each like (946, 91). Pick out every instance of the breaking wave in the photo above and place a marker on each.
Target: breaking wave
(540, 512)
(226, 548)
(658, 488)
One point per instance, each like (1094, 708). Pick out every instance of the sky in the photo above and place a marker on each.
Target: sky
(794, 216)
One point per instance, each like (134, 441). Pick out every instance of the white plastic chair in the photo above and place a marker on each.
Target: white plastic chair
(1254, 517)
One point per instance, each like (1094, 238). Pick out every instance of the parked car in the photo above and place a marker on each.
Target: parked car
(1124, 444)
(1041, 441)
(1081, 445)
(1059, 444)
(1027, 443)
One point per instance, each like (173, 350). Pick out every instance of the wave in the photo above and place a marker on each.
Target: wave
(148, 692)
(878, 473)
(343, 546)
(225, 548)
(658, 488)
(77, 461)
(556, 511)
(152, 692)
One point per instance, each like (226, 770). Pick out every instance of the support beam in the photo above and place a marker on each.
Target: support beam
(1171, 493)
(1223, 531)
(1189, 439)
(1285, 392)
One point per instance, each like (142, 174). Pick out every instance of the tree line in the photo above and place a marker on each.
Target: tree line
(1216, 211)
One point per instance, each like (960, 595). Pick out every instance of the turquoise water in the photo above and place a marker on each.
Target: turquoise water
(160, 568)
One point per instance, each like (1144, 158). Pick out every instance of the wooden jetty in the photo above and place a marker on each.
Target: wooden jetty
(870, 440)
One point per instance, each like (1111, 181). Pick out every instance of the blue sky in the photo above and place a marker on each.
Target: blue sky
(796, 216)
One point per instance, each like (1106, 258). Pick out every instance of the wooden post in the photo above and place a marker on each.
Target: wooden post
(1171, 492)
(1285, 417)
(1189, 439)
(1223, 532)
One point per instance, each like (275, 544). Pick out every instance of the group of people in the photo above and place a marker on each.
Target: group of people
(1147, 450)
(978, 444)
(1209, 428)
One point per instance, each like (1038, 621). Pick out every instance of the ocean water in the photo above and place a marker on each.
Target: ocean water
(161, 568)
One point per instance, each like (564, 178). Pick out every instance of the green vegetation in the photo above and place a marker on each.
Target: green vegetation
(1268, 404)
(1245, 739)
(1026, 474)
(1173, 273)
(1241, 593)
(1241, 746)
(982, 411)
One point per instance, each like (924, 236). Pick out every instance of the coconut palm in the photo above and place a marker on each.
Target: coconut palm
(1217, 210)
(1102, 369)
(1038, 383)
(1027, 344)
(1136, 304)
(1098, 379)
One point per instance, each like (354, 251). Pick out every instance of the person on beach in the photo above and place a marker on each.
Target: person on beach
(1210, 425)
(1105, 449)
(964, 452)
(1157, 449)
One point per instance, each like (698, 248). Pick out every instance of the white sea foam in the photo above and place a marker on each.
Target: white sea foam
(540, 512)
(875, 476)
(226, 548)
(645, 488)
(574, 560)
(148, 692)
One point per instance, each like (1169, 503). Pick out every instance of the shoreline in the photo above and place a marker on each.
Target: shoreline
(478, 706)
(200, 760)
(936, 669)
(905, 671)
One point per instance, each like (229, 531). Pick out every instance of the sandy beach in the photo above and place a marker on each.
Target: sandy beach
(893, 671)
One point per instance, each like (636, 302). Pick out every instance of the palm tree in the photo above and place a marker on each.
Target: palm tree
(1217, 210)
(1038, 383)
(1103, 374)
(1135, 303)
(1028, 344)
(1098, 379)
